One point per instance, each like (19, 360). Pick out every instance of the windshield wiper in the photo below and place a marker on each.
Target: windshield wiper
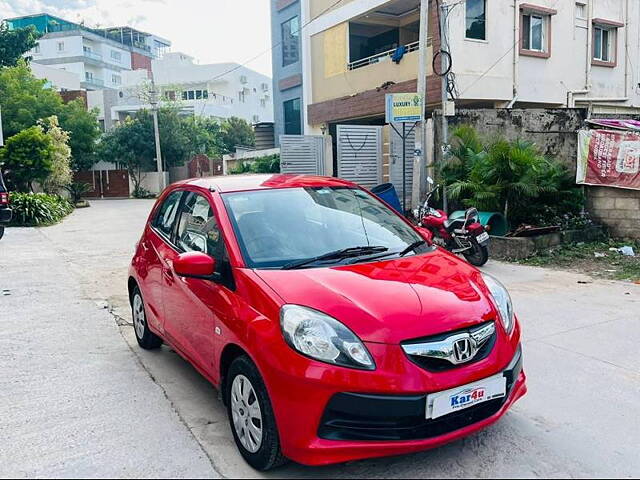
(412, 248)
(404, 252)
(337, 255)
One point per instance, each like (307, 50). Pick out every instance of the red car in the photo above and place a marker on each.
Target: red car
(333, 328)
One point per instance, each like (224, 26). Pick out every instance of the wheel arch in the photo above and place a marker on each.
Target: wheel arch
(230, 352)
(131, 285)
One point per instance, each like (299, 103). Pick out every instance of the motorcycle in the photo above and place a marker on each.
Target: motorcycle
(466, 236)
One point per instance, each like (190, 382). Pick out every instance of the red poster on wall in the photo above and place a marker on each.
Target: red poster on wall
(609, 158)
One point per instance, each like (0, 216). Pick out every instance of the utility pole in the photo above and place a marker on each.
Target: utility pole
(156, 130)
(419, 159)
(444, 47)
(1, 134)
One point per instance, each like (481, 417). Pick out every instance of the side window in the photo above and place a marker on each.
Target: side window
(166, 217)
(198, 229)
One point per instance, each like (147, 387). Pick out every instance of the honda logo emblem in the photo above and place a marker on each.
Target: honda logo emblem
(464, 350)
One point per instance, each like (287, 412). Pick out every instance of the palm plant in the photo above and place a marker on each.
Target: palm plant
(510, 177)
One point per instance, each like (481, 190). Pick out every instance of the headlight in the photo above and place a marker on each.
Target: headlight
(502, 300)
(323, 338)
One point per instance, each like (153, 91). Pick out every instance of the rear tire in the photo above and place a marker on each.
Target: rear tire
(478, 255)
(146, 338)
(251, 416)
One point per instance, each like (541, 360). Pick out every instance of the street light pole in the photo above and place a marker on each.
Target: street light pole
(156, 130)
(419, 159)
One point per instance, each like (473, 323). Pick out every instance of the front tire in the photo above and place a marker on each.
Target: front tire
(478, 255)
(146, 338)
(251, 416)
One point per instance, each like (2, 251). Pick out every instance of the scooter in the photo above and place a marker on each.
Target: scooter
(466, 236)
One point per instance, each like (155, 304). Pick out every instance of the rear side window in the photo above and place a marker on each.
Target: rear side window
(166, 217)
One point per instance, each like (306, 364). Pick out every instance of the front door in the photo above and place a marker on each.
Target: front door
(194, 307)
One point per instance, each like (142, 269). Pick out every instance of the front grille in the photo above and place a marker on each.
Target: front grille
(353, 416)
(440, 365)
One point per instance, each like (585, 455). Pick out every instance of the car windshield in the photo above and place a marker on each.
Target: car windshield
(277, 228)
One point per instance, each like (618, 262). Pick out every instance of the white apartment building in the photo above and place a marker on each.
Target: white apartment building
(99, 57)
(218, 91)
(505, 53)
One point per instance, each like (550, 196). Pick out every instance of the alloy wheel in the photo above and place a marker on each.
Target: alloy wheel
(139, 321)
(246, 413)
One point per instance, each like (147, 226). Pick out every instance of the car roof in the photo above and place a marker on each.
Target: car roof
(240, 183)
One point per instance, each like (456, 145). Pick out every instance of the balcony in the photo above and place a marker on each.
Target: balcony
(382, 57)
(93, 56)
(92, 82)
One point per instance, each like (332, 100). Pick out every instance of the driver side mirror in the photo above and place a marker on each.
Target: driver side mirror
(195, 265)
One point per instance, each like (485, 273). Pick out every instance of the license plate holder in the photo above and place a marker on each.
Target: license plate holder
(465, 396)
(483, 238)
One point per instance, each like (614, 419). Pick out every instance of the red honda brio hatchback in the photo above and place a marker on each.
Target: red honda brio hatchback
(333, 328)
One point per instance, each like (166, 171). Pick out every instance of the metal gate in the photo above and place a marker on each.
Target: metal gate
(360, 154)
(105, 183)
(302, 154)
(395, 163)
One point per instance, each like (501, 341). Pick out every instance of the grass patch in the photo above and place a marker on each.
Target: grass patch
(592, 258)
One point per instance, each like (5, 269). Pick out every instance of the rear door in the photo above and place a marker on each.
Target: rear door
(157, 247)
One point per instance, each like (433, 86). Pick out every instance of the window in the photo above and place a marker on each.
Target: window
(192, 95)
(116, 56)
(170, 95)
(88, 76)
(165, 219)
(116, 79)
(205, 94)
(185, 96)
(198, 94)
(533, 33)
(290, 41)
(581, 11)
(476, 19)
(241, 96)
(263, 103)
(602, 44)
(60, 46)
(292, 117)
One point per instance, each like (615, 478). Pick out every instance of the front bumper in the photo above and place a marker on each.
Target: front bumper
(5, 215)
(351, 416)
(332, 415)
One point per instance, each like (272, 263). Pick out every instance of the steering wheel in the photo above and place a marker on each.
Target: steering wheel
(262, 244)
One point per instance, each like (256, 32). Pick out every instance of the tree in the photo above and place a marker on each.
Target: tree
(131, 145)
(61, 174)
(15, 43)
(236, 132)
(27, 157)
(25, 100)
(84, 133)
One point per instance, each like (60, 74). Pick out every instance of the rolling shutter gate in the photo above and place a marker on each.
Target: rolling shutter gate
(360, 154)
(302, 154)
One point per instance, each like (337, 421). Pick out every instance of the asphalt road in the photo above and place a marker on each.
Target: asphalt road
(79, 398)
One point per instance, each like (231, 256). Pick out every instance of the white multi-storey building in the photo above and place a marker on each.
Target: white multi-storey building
(220, 91)
(97, 56)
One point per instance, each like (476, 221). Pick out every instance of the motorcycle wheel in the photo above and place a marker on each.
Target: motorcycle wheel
(478, 255)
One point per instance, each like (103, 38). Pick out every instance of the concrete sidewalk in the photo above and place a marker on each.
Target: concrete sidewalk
(74, 400)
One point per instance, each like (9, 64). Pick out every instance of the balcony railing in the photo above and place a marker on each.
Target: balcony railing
(96, 82)
(92, 55)
(384, 56)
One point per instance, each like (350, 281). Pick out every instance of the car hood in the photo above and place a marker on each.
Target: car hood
(394, 300)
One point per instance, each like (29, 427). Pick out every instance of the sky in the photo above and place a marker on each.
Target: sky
(212, 31)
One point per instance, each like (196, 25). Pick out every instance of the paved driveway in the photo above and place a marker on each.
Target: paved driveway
(580, 418)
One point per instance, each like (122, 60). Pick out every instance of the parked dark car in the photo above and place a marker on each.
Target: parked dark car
(5, 211)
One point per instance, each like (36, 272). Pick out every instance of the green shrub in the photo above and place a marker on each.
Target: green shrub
(268, 164)
(38, 209)
(511, 177)
(77, 190)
